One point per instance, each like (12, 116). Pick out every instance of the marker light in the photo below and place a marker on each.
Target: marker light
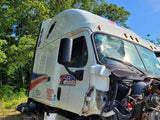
(125, 34)
(112, 22)
(131, 37)
(137, 39)
(151, 47)
(99, 27)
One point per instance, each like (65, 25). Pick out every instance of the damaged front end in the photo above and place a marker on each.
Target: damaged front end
(131, 95)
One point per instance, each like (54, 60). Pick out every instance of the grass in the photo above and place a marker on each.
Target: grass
(7, 106)
(7, 109)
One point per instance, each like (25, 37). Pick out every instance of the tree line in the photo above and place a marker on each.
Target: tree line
(19, 26)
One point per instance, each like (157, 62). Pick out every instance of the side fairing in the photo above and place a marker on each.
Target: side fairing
(45, 71)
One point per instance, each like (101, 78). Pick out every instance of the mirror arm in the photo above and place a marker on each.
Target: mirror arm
(77, 74)
(69, 71)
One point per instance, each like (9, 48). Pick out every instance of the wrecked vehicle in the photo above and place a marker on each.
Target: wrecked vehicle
(87, 67)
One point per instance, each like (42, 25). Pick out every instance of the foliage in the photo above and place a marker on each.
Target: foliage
(8, 100)
(8, 93)
(156, 41)
(19, 27)
(2, 51)
(112, 12)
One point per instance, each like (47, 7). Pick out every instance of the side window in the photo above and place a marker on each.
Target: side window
(158, 56)
(79, 53)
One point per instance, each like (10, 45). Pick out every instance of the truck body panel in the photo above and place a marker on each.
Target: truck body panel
(47, 72)
(51, 83)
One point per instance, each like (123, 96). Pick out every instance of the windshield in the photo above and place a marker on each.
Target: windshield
(150, 60)
(109, 46)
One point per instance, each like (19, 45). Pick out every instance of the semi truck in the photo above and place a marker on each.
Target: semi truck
(87, 67)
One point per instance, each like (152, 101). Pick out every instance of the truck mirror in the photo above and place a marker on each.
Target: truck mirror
(65, 51)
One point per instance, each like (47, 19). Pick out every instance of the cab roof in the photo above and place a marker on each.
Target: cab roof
(73, 19)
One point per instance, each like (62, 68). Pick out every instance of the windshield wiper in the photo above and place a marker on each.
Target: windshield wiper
(125, 63)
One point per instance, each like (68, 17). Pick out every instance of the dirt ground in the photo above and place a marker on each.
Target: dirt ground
(10, 114)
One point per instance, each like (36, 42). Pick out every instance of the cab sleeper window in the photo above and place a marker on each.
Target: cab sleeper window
(79, 53)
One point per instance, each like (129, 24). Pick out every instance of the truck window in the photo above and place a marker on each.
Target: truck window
(79, 53)
(158, 56)
(109, 46)
(148, 56)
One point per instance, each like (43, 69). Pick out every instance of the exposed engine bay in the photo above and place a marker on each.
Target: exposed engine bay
(132, 96)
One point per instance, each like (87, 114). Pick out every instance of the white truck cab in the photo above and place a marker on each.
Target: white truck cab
(84, 66)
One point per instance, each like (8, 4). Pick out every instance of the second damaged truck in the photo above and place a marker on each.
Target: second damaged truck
(87, 68)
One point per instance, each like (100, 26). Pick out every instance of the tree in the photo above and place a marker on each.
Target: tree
(2, 51)
(23, 19)
(19, 27)
(112, 12)
(156, 41)
(3, 57)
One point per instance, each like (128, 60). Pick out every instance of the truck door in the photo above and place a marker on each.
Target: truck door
(72, 90)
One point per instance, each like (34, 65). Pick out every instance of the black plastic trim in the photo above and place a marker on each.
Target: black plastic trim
(59, 93)
(51, 29)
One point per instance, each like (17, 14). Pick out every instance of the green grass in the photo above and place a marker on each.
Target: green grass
(8, 102)
(7, 109)
(14, 102)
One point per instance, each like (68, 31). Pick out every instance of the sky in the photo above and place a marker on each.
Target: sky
(144, 18)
